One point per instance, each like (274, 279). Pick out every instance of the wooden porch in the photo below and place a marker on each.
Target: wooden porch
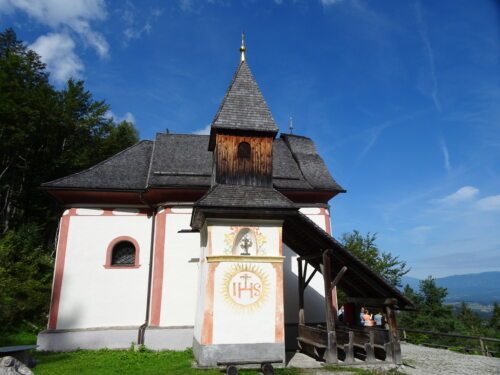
(344, 342)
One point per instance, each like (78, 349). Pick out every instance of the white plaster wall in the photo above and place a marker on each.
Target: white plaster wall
(235, 325)
(180, 277)
(314, 296)
(93, 296)
(202, 282)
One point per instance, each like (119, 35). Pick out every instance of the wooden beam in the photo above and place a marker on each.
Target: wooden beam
(394, 336)
(339, 276)
(373, 301)
(309, 257)
(301, 293)
(310, 277)
(331, 351)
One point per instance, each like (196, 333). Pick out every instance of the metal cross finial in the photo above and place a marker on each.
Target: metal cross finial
(290, 125)
(242, 48)
(246, 243)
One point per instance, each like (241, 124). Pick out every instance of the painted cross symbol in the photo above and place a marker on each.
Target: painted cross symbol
(245, 245)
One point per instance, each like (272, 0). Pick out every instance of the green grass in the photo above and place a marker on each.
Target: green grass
(17, 338)
(124, 362)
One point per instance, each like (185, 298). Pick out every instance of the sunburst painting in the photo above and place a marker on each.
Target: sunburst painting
(245, 287)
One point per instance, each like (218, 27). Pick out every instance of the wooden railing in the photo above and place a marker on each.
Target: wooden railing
(482, 341)
(368, 344)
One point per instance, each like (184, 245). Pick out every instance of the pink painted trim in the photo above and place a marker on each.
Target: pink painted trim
(158, 270)
(279, 329)
(59, 271)
(208, 314)
(328, 226)
(109, 252)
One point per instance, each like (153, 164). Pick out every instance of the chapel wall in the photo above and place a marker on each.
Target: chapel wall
(314, 295)
(92, 294)
(181, 253)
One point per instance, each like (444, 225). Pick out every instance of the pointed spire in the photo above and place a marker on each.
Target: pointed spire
(242, 47)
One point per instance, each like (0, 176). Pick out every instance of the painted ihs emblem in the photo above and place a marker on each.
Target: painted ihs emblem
(245, 287)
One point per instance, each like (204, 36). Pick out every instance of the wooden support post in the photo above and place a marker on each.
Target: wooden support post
(394, 335)
(331, 350)
(301, 293)
(370, 348)
(349, 349)
(326, 268)
(388, 352)
(483, 350)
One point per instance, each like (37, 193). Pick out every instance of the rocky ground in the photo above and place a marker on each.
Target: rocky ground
(420, 360)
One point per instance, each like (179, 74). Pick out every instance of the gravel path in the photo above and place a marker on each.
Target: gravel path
(420, 360)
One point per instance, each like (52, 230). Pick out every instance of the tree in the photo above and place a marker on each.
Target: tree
(45, 134)
(468, 321)
(25, 277)
(384, 263)
(432, 314)
(494, 323)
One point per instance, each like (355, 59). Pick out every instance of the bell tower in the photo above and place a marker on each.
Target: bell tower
(242, 133)
(240, 313)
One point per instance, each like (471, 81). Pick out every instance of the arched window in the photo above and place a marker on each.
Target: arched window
(123, 252)
(244, 150)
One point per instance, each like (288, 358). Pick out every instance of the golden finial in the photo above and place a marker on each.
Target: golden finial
(242, 48)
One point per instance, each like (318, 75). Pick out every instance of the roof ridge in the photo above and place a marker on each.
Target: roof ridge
(98, 164)
(295, 159)
(150, 164)
(243, 106)
(182, 134)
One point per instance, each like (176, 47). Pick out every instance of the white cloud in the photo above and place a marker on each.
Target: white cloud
(330, 2)
(136, 26)
(75, 15)
(129, 117)
(446, 156)
(203, 131)
(422, 28)
(186, 5)
(420, 234)
(464, 194)
(491, 203)
(57, 51)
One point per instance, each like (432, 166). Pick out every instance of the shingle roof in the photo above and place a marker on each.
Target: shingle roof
(127, 170)
(310, 163)
(180, 159)
(183, 160)
(307, 239)
(244, 107)
(232, 196)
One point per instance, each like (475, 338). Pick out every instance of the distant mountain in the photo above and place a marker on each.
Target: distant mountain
(483, 288)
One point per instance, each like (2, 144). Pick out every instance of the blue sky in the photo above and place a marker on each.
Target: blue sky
(401, 97)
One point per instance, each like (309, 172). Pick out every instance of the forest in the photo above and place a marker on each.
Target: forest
(48, 132)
